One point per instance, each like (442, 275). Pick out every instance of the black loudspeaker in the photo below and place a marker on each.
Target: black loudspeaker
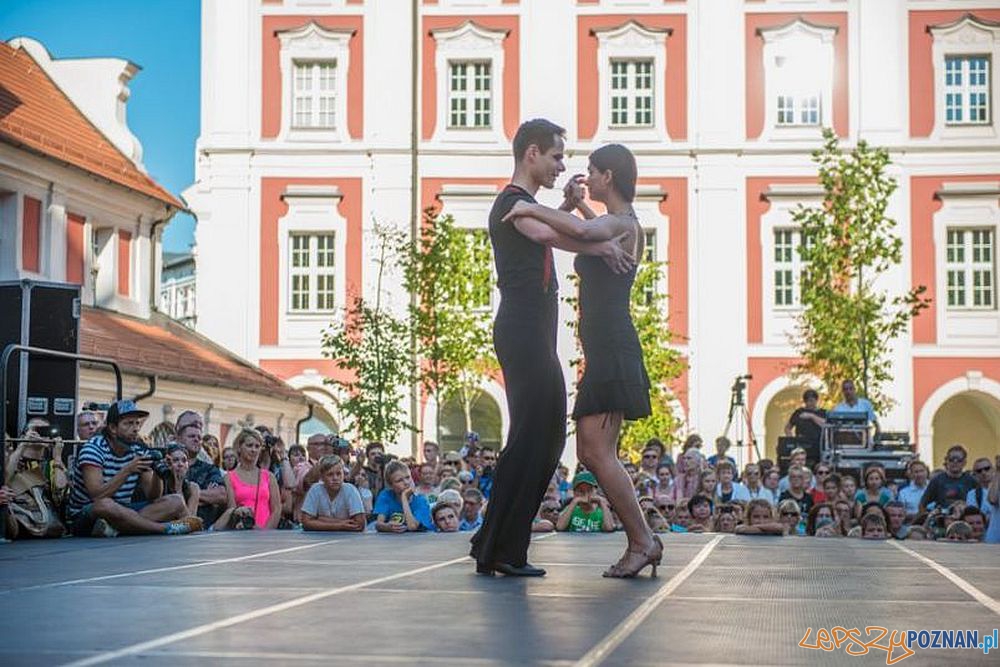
(44, 315)
(787, 444)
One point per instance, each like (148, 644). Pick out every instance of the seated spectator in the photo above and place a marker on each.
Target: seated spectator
(953, 485)
(959, 531)
(700, 508)
(974, 517)
(760, 520)
(432, 455)
(911, 494)
(693, 444)
(709, 481)
(874, 491)
(687, 481)
(991, 505)
(820, 522)
(210, 444)
(754, 484)
(331, 503)
(831, 488)
(648, 461)
(548, 515)
(228, 458)
(917, 533)
(797, 459)
(445, 518)
(455, 484)
(983, 471)
(253, 499)
(820, 472)
(587, 511)
(398, 508)
(790, 514)
(664, 479)
(728, 490)
(373, 464)
(656, 521)
(106, 472)
(797, 490)
(175, 481)
(472, 510)
(661, 450)
(427, 482)
(212, 498)
(452, 497)
(682, 516)
(727, 518)
(772, 480)
(895, 515)
(192, 418)
(361, 483)
(873, 527)
(88, 423)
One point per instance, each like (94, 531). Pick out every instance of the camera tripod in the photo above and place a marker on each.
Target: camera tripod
(740, 415)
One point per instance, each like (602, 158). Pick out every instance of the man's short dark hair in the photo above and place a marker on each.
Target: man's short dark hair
(810, 393)
(475, 495)
(538, 131)
(372, 445)
(973, 511)
(655, 443)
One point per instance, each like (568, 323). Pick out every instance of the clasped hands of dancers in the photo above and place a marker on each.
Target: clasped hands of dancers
(614, 386)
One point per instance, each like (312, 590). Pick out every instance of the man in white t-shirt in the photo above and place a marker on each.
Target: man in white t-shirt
(332, 503)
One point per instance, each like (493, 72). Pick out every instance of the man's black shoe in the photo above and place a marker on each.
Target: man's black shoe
(524, 571)
(483, 568)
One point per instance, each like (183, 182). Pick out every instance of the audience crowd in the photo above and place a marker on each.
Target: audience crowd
(179, 479)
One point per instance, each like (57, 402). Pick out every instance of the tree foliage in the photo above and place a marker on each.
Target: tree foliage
(848, 321)
(448, 270)
(373, 345)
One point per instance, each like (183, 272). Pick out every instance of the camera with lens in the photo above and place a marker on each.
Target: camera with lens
(159, 464)
(741, 382)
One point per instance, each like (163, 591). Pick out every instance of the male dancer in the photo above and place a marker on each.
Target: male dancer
(524, 335)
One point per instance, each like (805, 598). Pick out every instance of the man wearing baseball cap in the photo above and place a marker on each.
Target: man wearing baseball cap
(106, 474)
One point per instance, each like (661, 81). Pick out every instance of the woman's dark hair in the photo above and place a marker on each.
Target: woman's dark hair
(538, 131)
(620, 161)
(811, 517)
(297, 449)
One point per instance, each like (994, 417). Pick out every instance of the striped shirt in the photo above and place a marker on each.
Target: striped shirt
(98, 453)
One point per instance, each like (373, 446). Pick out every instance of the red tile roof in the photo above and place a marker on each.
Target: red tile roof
(163, 347)
(36, 114)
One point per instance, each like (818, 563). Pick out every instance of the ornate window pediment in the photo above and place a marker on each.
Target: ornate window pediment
(965, 54)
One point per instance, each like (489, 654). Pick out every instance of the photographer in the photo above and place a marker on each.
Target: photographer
(107, 471)
(372, 464)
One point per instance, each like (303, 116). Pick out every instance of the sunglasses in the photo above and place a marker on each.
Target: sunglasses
(822, 472)
(956, 459)
(665, 508)
(649, 456)
(984, 469)
(789, 514)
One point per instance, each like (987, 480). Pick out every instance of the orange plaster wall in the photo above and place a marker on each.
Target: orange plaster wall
(675, 83)
(757, 206)
(766, 370)
(930, 373)
(923, 206)
(31, 235)
(271, 90)
(272, 208)
(430, 188)
(675, 207)
(124, 262)
(511, 68)
(921, 63)
(289, 368)
(74, 249)
(755, 102)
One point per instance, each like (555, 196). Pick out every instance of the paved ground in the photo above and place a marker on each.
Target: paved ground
(294, 598)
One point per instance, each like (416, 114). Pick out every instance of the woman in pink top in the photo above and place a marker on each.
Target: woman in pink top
(688, 478)
(251, 487)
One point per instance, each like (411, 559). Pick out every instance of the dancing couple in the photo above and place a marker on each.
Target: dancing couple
(614, 385)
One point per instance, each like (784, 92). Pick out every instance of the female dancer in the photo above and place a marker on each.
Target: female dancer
(614, 385)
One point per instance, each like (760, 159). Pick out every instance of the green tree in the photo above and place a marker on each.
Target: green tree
(847, 323)
(448, 269)
(373, 346)
(664, 364)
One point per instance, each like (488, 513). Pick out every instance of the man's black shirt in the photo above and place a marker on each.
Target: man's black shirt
(806, 428)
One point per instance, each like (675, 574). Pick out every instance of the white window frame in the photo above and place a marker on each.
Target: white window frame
(779, 320)
(313, 43)
(312, 210)
(965, 205)
(469, 42)
(470, 95)
(965, 38)
(315, 77)
(632, 42)
(798, 64)
(313, 271)
(968, 267)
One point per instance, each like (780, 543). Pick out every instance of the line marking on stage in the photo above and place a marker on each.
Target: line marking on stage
(199, 630)
(603, 649)
(980, 597)
(169, 568)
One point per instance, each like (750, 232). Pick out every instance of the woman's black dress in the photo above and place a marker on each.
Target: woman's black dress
(614, 377)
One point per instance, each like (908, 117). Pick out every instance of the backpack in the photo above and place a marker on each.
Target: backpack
(32, 508)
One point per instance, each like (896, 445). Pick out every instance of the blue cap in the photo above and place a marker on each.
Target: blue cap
(122, 409)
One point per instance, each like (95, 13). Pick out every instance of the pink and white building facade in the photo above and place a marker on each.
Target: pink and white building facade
(307, 109)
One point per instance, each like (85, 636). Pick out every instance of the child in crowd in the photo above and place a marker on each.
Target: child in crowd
(398, 508)
(760, 520)
(587, 512)
(332, 503)
(176, 482)
(875, 490)
(445, 518)
(873, 527)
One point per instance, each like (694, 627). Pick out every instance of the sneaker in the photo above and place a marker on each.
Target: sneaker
(190, 524)
(103, 529)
